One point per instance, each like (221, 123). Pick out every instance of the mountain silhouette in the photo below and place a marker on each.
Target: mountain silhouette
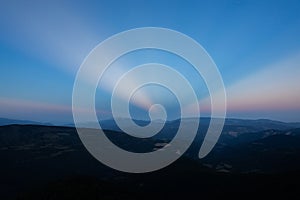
(50, 162)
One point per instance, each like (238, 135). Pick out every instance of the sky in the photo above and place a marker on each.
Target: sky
(255, 45)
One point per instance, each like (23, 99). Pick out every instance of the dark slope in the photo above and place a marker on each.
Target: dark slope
(48, 162)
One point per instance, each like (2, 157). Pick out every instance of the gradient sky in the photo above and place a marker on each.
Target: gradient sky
(255, 45)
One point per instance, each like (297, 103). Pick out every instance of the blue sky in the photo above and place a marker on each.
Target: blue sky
(255, 45)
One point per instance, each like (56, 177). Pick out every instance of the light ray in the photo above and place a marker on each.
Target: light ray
(273, 89)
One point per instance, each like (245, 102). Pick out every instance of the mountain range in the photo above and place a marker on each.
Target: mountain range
(6, 121)
(46, 162)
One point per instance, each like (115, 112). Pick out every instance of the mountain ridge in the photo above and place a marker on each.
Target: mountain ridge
(8, 121)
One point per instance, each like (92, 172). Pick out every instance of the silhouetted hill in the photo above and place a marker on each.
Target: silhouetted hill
(50, 162)
(269, 151)
(258, 124)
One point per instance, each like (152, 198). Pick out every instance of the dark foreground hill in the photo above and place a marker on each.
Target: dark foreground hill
(48, 162)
